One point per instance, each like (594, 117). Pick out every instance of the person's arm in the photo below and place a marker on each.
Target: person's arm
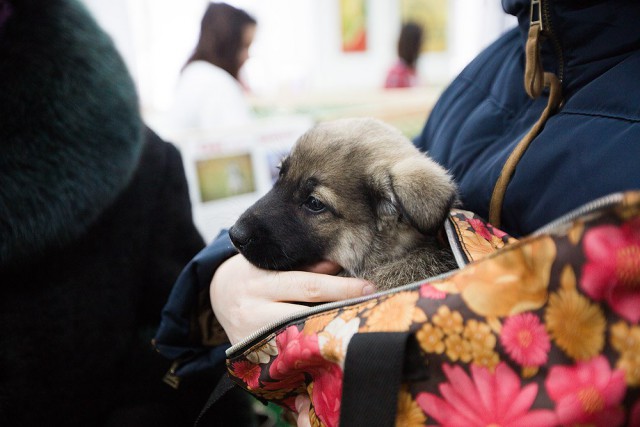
(243, 298)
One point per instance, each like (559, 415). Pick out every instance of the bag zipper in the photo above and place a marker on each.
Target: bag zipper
(602, 202)
(272, 327)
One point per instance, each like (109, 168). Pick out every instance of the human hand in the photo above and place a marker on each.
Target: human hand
(303, 406)
(245, 298)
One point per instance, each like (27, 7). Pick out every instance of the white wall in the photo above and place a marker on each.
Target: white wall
(297, 46)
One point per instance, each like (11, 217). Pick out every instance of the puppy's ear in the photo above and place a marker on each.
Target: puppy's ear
(420, 191)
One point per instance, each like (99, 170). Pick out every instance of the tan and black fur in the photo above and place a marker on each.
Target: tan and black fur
(356, 192)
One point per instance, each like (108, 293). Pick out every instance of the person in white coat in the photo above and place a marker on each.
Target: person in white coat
(209, 93)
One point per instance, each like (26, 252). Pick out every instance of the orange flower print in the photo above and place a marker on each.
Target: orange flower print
(630, 364)
(514, 281)
(457, 348)
(480, 336)
(612, 270)
(576, 325)
(333, 341)
(450, 322)
(393, 314)
(264, 353)
(430, 338)
(486, 358)
(475, 246)
(409, 412)
(317, 323)
(625, 339)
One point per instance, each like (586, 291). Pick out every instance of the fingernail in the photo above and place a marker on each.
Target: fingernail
(299, 402)
(368, 289)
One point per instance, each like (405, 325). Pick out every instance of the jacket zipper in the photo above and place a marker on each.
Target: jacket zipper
(557, 224)
(544, 13)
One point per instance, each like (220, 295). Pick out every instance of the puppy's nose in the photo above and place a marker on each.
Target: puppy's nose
(240, 236)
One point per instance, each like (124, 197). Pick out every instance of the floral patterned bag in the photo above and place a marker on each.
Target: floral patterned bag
(538, 332)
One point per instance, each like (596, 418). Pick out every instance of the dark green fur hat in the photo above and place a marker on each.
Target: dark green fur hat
(70, 129)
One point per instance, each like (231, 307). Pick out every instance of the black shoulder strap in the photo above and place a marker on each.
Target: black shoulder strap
(372, 377)
(224, 385)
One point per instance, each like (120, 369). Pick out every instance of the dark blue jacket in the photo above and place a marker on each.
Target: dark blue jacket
(589, 148)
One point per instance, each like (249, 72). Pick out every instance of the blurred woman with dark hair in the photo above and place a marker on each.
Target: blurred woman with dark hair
(403, 73)
(209, 92)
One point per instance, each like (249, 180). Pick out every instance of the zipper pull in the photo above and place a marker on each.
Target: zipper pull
(533, 72)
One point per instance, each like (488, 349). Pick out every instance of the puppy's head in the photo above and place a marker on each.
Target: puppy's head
(353, 191)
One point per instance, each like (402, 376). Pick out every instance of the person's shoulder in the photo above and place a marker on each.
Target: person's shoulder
(206, 70)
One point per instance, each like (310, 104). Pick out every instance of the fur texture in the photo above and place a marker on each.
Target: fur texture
(60, 76)
(356, 192)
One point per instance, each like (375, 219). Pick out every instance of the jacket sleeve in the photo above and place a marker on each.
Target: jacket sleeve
(188, 333)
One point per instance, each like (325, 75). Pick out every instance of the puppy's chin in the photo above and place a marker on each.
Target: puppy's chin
(266, 263)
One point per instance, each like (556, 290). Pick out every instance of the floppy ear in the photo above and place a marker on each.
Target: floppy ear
(419, 191)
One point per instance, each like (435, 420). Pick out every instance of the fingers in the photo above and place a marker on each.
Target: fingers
(303, 406)
(312, 287)
(245, 298)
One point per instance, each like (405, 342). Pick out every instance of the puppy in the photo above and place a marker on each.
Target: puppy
(356, 192)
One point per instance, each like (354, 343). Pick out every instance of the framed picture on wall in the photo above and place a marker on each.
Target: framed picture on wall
(433, 15)
(353, 16)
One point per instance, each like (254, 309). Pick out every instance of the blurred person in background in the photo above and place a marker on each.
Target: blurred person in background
(403, 73)
(209, 92)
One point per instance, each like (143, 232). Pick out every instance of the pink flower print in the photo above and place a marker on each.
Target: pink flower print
(480, 228)
(299, 356)
(587, 393)
(428, 291)
(525, 339)
(327, 393)
(612, 270)
(297, 352)
(247, 372)
(497, 232)
(484, 399)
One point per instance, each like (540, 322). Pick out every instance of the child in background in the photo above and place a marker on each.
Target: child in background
(403, 72)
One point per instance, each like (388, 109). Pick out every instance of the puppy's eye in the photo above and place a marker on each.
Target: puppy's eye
(314, 205)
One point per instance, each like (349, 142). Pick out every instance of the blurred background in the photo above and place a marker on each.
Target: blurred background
(298, 45)
(311, 60)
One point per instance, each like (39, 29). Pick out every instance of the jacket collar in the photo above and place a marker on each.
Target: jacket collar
(582, 40)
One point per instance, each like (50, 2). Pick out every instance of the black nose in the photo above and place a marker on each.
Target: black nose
(240, 236)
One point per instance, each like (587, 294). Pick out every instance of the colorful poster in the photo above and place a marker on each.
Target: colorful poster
(434, 16)
(353, 14)
(222, 177)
